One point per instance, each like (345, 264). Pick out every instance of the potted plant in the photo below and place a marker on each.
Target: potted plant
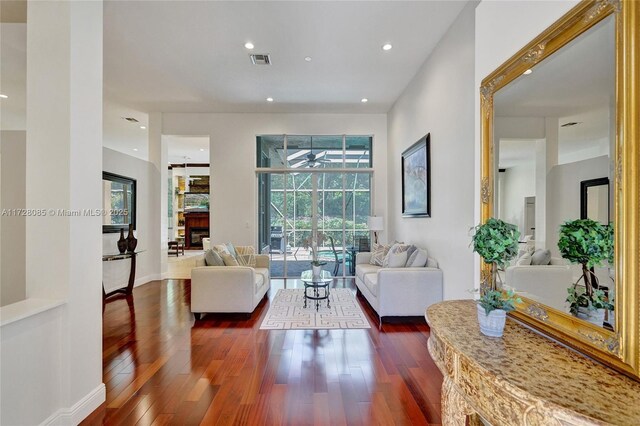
(492, 311)
(312, 242)
(588, 243)
(497, 242)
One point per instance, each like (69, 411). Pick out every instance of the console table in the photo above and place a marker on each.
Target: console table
(132, 272)
(522, 378)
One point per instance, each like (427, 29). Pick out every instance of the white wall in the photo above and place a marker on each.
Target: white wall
(52, 355)
(502, 28)
(115, 274)
(518, 182)
(439, 101)
(233, 159)
(13, 148)
(563, 192)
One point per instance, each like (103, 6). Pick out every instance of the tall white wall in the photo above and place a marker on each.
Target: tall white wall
(439, 101)
(13, 148)
(116, 274)
(563, 192)
(234, 198)
(502, 28)
(51, 343)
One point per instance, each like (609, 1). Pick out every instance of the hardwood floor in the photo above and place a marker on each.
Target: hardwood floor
(161, 368)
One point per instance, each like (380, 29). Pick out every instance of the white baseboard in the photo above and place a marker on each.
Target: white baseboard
(143, 280)
(80, 410)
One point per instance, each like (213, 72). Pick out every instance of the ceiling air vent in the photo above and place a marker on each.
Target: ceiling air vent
(260, 59)
(571, 123)
(131, 119)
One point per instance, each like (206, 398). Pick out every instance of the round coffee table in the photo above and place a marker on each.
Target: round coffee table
(319, 285)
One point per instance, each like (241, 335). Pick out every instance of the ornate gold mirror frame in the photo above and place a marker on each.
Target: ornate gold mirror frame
(619, 349)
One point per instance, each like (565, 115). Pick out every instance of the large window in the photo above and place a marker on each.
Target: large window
(310, 184)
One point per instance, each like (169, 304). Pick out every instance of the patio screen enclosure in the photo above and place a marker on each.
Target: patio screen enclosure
(313, 184)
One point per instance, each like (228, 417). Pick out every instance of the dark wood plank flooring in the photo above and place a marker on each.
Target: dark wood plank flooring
(161, 368)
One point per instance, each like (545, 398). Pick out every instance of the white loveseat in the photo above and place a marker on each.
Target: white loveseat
(229, 288)
(398, 291)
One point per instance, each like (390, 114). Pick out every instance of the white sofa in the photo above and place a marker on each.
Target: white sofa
(228, 288)
(548, 284)
(543, 283)
(398, 291)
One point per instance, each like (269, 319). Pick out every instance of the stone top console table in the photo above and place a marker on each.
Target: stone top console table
(522, 378)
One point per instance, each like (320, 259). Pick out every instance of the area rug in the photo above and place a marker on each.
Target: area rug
(286, 312)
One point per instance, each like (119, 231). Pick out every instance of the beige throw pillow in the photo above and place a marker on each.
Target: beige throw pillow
(229, 260)
(378, 254)
(246, 256)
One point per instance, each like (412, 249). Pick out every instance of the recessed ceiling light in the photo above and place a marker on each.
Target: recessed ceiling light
(4, 96)
(201, 149)
(364, 100)
(307, 58)
(249, 45)
(135, 149)
(527, 72)
(269, 99)
(387, 46)
(143, 127)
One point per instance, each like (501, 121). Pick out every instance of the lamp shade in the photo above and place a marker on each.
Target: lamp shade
(375, 223)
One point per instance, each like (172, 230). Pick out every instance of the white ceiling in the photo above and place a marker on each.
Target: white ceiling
(576, 84)
(189, 56)
(578, 78)
(194, 148)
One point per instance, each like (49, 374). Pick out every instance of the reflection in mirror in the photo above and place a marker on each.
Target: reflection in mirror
(554, 128)
(594, 200)
(118, 202)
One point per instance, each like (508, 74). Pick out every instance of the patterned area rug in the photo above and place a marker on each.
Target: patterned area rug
(286, 312)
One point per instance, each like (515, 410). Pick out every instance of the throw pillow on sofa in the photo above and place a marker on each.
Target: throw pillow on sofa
(524, 260)
(229, 260)
(541, 257)
(397, 256)
(246, 256)
(378, 253)
(211, 258)
(418, 259)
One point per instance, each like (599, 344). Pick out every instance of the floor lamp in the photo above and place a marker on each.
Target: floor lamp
(375, 224)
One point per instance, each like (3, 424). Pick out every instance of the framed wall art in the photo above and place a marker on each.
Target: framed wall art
(416, 179)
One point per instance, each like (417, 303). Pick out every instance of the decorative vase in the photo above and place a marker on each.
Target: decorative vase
(595, 317)
(491, 325)
(317, 270)
(122, 242)
(132, 242)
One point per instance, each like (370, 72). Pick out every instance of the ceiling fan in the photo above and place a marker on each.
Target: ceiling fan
(312, 159)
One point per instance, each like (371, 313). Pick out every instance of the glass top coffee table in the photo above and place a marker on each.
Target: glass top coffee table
(319, 287)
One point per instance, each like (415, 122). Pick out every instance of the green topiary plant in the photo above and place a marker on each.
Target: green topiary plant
(588, 243)
(497, 242)
(496, 299)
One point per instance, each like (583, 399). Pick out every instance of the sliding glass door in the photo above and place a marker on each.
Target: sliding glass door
(313, 185)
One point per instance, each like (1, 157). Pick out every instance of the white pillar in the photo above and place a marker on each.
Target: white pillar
(158, 155)
(546, 159)
(64, 164)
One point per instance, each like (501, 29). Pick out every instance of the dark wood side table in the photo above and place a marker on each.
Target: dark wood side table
(132, 273)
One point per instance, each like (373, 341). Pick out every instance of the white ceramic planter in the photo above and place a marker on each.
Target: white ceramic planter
(317, 270)
(492, 325)
(594, 317)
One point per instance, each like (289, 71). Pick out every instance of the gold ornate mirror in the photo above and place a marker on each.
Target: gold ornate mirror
(563, 111)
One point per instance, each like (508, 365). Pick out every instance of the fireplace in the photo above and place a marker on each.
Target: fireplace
(196, 227)
(196, 235)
